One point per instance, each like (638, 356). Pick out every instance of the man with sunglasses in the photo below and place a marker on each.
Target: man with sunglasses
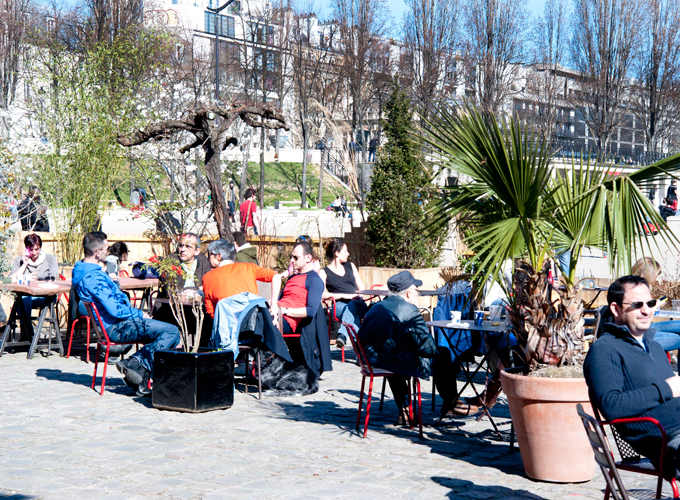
(297, 312)
(628, 373)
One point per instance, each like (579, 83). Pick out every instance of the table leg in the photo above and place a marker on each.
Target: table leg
(37, 331)
(55, 322)
(8, 327)
(470, 377)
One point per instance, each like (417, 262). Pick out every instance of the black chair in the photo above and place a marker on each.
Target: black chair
(631, 460)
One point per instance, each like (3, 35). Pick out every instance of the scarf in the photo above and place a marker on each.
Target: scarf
(37, 262)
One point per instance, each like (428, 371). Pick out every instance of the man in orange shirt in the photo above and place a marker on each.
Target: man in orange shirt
(231, 278)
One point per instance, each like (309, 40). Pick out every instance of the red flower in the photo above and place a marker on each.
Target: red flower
(153, 259)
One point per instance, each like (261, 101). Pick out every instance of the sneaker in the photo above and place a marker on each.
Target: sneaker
(340, 341)
(132, 370)
(144, 388)
(132, 386)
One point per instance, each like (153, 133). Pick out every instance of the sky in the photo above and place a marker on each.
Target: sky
(397, 8)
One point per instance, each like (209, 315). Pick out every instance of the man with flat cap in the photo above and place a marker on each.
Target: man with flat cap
(396, 338)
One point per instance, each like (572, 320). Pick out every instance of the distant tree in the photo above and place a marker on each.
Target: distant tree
(544, 83)
(13, 16)
(398, 228)
(363, 27)
(310, 63)
(656, 93)
(430, 40)
(605, 38)
(495, 43)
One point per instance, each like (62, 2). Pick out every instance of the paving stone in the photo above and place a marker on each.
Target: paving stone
(61, 440)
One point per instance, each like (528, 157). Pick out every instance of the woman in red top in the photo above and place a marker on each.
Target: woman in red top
(250, 219)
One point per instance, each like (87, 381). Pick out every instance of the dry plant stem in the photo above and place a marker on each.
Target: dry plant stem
(178, 312)
(196, 309)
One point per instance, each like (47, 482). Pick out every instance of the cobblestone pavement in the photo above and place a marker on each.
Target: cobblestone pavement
(59, 439)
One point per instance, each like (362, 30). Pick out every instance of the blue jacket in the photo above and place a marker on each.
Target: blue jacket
(457, 298)
(235, 321)
(627, 380)
(94, 285)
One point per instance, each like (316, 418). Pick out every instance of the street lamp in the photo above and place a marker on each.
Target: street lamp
(217, 11)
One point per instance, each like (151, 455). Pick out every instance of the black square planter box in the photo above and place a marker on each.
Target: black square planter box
(193, 382)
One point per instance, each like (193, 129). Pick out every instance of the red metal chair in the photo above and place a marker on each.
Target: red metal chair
(631, 460)
(73, 326)
(102, 340)
(368, 371)
(332, 316)
(87, 339)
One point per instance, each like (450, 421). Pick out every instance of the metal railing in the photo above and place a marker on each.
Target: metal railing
(565, 148)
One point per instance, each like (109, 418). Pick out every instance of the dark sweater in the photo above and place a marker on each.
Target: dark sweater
(626, 380)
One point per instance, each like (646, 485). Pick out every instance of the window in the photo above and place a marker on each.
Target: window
(209, 19)
(226, 24)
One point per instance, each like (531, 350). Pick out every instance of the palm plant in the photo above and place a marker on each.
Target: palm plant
(512, 203)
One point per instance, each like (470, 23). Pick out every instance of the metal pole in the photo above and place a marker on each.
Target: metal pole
(217, 60)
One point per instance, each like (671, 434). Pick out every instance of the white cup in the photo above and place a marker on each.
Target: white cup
(455, 316)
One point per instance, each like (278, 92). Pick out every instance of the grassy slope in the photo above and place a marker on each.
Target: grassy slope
(283, 181)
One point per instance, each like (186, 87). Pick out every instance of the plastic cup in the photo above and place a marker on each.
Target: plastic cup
(495, 315)
(676, 304)
(455, 316)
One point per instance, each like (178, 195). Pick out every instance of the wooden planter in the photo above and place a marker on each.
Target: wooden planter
(193, 382)
(550, 435)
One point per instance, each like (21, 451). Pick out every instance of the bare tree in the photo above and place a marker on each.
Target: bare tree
(605, 34)
(656, 93)
(13, 18)
(545, 83)
(107, 19)
(495, 32)
(430, 40)
(210, 127)
(311, 63)
(363, 25)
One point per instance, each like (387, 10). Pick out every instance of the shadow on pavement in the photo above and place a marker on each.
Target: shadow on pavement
(114, 385)
(8, 495)
(468, 488)
(480, 447)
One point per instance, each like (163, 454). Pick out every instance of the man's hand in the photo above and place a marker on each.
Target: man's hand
(146, 315)
(674, 382)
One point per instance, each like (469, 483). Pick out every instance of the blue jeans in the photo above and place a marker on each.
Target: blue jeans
(667, 334)
(30, 303)
(351, 312)
(156, 335)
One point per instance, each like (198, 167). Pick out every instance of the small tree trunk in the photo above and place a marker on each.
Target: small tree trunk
(262, 169)
(319, 199)
(276, 145)
(305, 149)
(213, 173)
(244, 171)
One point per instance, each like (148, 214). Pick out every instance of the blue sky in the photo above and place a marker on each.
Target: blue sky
(397, 8)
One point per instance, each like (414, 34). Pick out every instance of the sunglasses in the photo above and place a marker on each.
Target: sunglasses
(295, 257)
(638, 305)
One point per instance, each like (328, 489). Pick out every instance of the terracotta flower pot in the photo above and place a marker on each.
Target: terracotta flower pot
(550, 435)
